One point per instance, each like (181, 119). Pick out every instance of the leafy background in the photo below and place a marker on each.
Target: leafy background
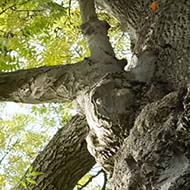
(36, 33)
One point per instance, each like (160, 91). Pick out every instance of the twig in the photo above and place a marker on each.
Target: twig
(12, 6)
(22, 10)
(8, 150)
(70, 7)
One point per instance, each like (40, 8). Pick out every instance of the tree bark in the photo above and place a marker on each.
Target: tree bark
(165, 31)
(64, 160)
(60, 83)
(138, 120)
(155, 155)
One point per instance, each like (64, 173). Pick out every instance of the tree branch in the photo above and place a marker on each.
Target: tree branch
(51, 84)
(64, 160)
(87, 10)
(95, 32)
(12, 6)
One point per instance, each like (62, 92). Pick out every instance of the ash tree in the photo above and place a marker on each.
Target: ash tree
(133, 122)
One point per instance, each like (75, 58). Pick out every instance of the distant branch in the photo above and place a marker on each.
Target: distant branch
(87, 10)
(28, 10)
(13, 6)
(105, 180)
(9, 148)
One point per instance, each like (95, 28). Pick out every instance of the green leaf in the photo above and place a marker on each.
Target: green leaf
(23, 184)
(84, 179)
(30, 169)
(36, 173)
(31, 181)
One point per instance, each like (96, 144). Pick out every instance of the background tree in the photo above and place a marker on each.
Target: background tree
(138, 120)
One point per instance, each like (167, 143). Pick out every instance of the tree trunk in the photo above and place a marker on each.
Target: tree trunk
(165, 31)
(155, 154)
(64, 160)
(138, 121)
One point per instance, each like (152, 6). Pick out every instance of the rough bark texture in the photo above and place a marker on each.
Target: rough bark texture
(52, 84)
(65, 159)
(155, 155)
(115, 101)
(166, 31)
(138, 120)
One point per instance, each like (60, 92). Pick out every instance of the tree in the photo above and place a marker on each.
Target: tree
(138, 120)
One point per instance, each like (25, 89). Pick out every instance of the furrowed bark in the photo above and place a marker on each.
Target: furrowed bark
(101, 134)
(64, 160)
(156, 153)
(165, 31)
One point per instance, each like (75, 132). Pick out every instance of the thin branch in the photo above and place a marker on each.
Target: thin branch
(70, 7)
(105, 180)
(27, 10)
(12, 6)
(9, 149)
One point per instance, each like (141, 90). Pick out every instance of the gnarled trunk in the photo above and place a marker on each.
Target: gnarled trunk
(138, 120)
(155, 154)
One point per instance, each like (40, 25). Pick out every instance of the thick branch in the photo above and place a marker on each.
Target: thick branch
(87, 10)
(51, 84)
(65, 159)
(96, 33)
